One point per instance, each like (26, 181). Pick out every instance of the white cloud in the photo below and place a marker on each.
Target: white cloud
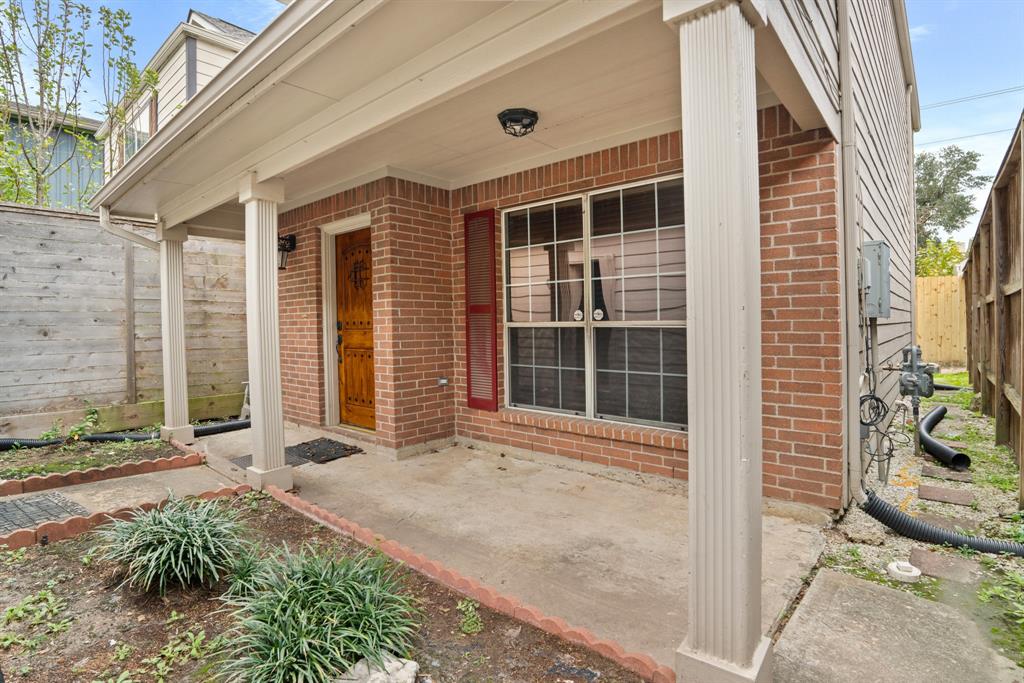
(920, 31)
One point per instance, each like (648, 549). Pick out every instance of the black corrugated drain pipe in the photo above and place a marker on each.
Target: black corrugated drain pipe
(8, 443)
(905, 525)
(943, 453)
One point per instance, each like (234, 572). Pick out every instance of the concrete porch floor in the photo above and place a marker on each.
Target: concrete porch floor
(603, 549)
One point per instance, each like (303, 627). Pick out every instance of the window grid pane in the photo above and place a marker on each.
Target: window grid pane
(637, 262)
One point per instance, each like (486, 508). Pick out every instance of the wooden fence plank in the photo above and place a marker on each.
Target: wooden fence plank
(941, 320)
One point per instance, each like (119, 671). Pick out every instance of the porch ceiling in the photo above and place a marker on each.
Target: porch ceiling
(618, 81)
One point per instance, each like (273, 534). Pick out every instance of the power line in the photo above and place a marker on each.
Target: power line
(969, 98)
(963, 137)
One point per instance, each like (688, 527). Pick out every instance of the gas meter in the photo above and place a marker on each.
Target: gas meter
(916, 377)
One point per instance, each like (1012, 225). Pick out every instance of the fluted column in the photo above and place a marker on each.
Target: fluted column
(172, 333)
(264, 344)
(724, 641)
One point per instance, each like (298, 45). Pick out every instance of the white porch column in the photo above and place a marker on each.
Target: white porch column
(724, 642)
(172, 333)
(264, 343)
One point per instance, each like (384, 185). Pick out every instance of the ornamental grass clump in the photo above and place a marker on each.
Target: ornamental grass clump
(311, 616)
(184, 543)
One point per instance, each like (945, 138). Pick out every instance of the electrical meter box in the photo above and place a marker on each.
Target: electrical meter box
(876, 280)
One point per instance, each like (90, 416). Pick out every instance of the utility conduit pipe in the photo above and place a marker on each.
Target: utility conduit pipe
(905, 525)
(940, 451)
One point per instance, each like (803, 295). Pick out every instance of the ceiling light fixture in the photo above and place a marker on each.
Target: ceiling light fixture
(518, 122)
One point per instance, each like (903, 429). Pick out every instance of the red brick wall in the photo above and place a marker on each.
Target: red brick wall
(410, 242)
(801, 331)
(637, 448)
(419, 317)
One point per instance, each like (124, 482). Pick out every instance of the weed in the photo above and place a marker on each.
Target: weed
(36, 609)
(850, 561)
(123, 652)
(471, 623)
(185, 543)
(9, 558)
(89, 556)
(123, 677)
(1006, 592)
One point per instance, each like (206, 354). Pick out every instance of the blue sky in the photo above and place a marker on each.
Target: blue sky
(963, 48)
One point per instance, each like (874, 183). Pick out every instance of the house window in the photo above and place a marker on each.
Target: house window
(595, 305)
(137, 129)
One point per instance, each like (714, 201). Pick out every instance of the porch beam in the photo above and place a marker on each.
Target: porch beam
(724, 642)
(172, 333)
(264, 342)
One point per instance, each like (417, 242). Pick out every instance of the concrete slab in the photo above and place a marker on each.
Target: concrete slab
(945, 473)
(945, 566)
(942, 494)
(605, 554)
(111, 494)
(848, 629)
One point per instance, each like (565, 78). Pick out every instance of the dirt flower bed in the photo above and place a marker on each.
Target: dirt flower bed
(861, 546)
(65, 616)
(21, 463)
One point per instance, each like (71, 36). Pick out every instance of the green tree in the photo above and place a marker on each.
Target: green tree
(938, 258)
(45, 63)
(43, 66)
(944, 181)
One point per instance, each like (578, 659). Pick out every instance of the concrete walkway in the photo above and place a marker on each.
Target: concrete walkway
(581, 543)
(111, 494)
(877, 633)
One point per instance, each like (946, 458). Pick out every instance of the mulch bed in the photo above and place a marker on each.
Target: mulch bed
(106, 617)
(26, 462)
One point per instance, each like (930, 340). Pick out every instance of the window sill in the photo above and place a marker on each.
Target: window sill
(602, 429)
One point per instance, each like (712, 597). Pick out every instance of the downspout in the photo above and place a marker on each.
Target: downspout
(853, 379)
(123, 233)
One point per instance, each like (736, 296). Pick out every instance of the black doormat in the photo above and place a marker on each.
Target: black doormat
(317, 451)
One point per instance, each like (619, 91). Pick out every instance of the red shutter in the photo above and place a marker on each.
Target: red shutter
(481, 312)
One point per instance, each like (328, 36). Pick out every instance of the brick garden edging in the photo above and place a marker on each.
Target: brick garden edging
(36, 483)
(51, 532)
(641, 664)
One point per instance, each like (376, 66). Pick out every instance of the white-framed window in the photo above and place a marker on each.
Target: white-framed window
(595, 304)
(137, 132)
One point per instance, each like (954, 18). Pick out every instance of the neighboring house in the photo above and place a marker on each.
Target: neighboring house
(662, 276)
(77, 157)
(192, 55)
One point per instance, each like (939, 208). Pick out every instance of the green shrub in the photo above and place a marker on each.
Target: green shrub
(185, 543)
(311, 616)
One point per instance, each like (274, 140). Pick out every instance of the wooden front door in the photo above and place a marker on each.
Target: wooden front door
(355, 328)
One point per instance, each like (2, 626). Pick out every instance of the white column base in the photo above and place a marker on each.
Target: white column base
(281, 477)
(699, 667)
(184, 434)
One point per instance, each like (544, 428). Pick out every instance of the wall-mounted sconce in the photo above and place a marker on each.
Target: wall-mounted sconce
(285, 246)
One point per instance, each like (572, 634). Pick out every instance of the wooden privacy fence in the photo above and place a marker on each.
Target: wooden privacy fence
(80, 324)
(995, 324)
(940, 320)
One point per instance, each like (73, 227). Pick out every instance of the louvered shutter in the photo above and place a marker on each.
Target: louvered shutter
(481, 312)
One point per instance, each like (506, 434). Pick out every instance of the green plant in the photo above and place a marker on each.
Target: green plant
(123, 677)
(123, 652)
(56, 431)
(471, 623)
(9, 558)
(185, 543)
(89, 556)
(245, 572)
(88, 425)
(313, 615)
(1006, 593)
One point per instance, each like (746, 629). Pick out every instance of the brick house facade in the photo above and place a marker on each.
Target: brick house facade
(419, 320)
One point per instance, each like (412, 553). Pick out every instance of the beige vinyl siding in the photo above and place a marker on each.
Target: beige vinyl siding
(816, 25)
(171, 86)
(885, 190)
(210, 60)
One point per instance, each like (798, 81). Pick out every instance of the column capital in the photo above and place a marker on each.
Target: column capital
(177, 233)
(675, 12)
(249, 189)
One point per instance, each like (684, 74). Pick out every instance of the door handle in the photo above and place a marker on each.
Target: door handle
(338, 347)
